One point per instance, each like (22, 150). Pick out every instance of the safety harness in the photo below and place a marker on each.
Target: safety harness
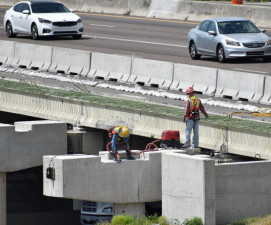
(112, 131)
(194, 107)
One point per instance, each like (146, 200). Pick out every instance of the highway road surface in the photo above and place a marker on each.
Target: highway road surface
(148, 38)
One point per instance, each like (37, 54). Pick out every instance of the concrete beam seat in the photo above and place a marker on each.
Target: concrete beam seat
(24, 143)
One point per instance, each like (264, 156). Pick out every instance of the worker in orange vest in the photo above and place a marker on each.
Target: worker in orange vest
(192, 117)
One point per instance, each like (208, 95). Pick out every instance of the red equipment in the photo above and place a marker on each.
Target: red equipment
(170, 138)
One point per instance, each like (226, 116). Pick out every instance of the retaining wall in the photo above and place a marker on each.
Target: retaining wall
(259, 13)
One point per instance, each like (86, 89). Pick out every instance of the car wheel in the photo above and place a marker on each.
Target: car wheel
(34, 32)
(221, 54)
(193, 51)
(9, 30)
(77, 36)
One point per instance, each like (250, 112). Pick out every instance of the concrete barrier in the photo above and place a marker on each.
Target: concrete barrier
(127, 7)
(151, 73)
(7, 52)
(110, 67)
(202, 79)
(260, 14)
(267, 92)
(240, 85)
(70, 61)
(32, 56)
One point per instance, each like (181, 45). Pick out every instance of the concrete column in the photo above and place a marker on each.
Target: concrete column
(3, 202)
(133, 209)
(86, 142)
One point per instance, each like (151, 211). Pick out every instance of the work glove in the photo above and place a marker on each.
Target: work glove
(184, 120)
(206, 116)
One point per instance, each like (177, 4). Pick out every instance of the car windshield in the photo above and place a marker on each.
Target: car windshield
(237, 27)
(48, 7)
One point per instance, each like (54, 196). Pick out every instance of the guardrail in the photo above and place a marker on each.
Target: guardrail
(208, 81)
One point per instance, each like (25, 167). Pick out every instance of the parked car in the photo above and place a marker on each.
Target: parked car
(226, 38)
(42, 18)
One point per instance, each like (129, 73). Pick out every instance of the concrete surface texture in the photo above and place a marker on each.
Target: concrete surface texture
(242, 190)
(188, 187)
(161, 74)
(7, 52)
(32, 56)
(110, 67)
(133, 209)
(172, 9)
(24, 143)
(238, 141)
(98, 178)
(3, 198)
(218, 193)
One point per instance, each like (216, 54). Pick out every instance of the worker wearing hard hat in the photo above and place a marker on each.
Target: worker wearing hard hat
(192, 117)
(121, 134)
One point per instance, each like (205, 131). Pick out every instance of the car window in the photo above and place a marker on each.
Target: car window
(236, 27)
(21, 7)
(48, 7)
(212, 26)
(25, 6)
(18, 7)
(204, 25)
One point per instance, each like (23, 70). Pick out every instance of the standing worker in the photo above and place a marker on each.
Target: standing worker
(120, 134)
(192, 117)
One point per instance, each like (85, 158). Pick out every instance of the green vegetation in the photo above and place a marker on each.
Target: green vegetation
(151, 220)
(141, 107)
(266, 220)
(161, 220)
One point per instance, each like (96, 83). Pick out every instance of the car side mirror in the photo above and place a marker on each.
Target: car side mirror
(263, 30)
(72, 10)
(211, 32)
(26, 11)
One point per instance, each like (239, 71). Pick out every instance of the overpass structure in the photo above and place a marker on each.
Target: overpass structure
(188, 183)
(216, 184)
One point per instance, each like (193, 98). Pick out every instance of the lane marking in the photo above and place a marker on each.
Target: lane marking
(251, 71)
(100, 25)
(136, 41)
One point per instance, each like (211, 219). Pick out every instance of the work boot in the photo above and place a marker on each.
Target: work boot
(118, 159)
(116, 156)
(129, 156)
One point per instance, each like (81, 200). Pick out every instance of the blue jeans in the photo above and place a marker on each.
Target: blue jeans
(191, 124)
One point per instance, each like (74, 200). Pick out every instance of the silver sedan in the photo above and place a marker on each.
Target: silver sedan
(226, 38)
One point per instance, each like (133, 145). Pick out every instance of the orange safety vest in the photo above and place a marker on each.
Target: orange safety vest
(114, 130)
(194, 106)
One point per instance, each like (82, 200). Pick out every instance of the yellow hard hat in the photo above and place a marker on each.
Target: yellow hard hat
(124, 132)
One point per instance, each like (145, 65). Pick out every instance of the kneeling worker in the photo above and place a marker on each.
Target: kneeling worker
(121, 134)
